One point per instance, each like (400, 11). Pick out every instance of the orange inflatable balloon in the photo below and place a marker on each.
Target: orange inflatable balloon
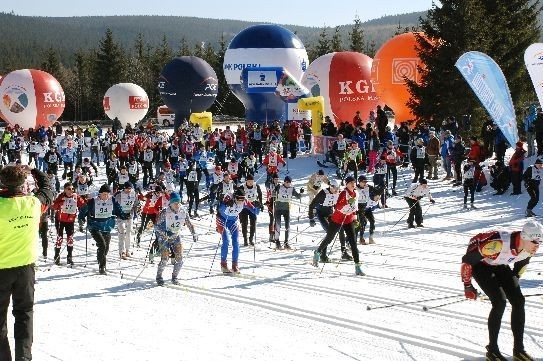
(396, 59)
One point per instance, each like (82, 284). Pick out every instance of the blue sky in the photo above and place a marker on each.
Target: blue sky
(310, 13)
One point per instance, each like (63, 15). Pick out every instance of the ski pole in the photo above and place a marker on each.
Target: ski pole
(298, 233)
(406, 213)
(145, 260)
(426, 211)
(333, 242)
(213, 261)
(426, 308)
(369, 308)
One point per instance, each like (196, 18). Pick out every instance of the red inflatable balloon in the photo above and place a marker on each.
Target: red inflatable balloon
(31, 98)
(344, 80)
(396, 59)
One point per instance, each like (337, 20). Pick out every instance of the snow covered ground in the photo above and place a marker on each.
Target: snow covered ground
(282, 308)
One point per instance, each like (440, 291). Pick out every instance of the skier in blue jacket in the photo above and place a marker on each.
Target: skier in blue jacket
(227, 225)
(100, 213)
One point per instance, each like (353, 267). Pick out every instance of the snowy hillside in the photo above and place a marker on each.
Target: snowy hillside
(282, 308)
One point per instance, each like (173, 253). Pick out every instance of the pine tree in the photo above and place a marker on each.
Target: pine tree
(502, 29)
(336, 44)
(323, 45)
(51, 64)
(184, 49)
(356, 36)
(371, 48)
(108, 67)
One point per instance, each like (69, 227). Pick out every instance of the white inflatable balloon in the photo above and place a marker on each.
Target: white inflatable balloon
(127, 102)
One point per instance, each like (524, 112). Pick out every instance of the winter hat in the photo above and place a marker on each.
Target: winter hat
(288, 179)
(128, 185)
(538, 161)
(423, 181)
(320, 172)
(158, 188)
(334, 184)
(104, 189)
(175, 197)
(239, 194)
(249, 177)
(275, 176)
(349, 179)
(12, 176)
(532, 230)
(362, 178)
(519, 144)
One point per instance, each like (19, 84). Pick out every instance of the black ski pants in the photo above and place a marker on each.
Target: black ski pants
(17, 284)
(102, 240)
(415, 211)
(533, 192)
(469, 185)
(333, 229)
(501, 285)
(247, 218)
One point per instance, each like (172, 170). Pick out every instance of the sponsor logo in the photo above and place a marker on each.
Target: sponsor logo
(138, 102)
(106, 104)
(404, 68)
(240, 66)
(350, 87)
(15, 99)
(54, 97)
(303, 65)
(375, 71)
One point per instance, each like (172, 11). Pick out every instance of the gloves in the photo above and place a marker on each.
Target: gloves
(432, 201)
(352, 200)
(302, 191)
(470, 292)
(312, 222)
(356, 224)
(195, 237)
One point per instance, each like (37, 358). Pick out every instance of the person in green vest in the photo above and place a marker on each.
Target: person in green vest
(20, 215)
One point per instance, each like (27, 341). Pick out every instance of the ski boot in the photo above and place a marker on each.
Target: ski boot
(521, 356)
(278, 245)
(245, 243)
(69, 260)
(358, 270)
(57, 256)
(316, 257)
(251, 242)
(410, 225)
(362, 241)
(473, 206)
(465, 206)
(494, 355)
(159, 281)
(530, 213)
(235, 268)
(394, 192)
(175, 281)
(345, 256)
(324, 258)
(102, 270)
(224, 268)
(371, 240)
(286, 246)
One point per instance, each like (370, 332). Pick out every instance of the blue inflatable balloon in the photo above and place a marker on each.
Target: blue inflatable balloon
(263, 46)
(187, 85)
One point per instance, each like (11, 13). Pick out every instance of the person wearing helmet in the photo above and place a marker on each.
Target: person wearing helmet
(315, 183)
(487, 259)
(324, 203)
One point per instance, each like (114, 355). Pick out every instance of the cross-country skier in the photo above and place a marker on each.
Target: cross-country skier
(227, 226)
(284, 192)
(487, 260)
(344, 217)
(128, 200)
(413, 196)
(170, 222)
(246, 217)
(532, 179)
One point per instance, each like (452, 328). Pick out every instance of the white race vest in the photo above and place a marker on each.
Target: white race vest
(421, 152)
(103, 209)
(193, 176)
(341, 144)
(53, 158)
(251, 193)
(217, 178)
(123, 178)
(330, 199)
(363, 194)
(69, 206)
(505, 256)
(82, 189)
(127, 201)
(233, 210)
(174, 221)
(350, 208)
(148, 156)
(284, 194)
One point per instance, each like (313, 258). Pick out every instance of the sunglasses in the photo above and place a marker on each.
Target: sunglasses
(69, 189)
(536, 241)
